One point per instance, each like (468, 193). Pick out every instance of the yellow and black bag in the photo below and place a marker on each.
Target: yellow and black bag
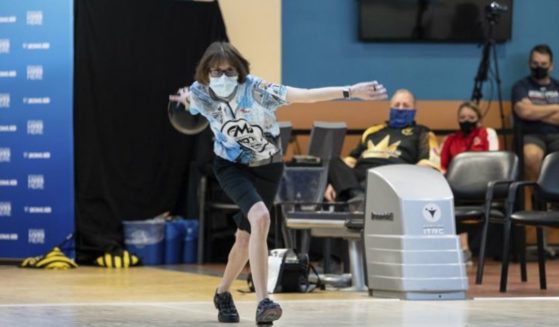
(54, 259)
(122, 259)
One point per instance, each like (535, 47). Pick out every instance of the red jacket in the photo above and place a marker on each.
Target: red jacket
(480, 139)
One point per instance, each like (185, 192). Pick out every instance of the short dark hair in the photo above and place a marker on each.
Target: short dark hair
(217, 53)
(473, 106)
(543, 49)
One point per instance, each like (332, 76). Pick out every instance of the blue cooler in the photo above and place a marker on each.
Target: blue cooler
(190, 241)
(175, 231)
(145, 238)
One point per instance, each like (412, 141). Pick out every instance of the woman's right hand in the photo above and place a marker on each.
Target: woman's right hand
(330, 193)
(182, 96)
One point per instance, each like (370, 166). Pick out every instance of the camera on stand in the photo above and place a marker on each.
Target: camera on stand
(493, 10)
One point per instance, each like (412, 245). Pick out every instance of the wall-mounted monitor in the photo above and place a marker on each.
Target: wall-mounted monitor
(434, 20)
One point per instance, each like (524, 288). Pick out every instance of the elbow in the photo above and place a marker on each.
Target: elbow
(524, 112)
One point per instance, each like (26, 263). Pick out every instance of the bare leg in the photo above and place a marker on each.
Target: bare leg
(533, 158)
(464, 241)
(237, 260)
(259, 219)
(466, 252)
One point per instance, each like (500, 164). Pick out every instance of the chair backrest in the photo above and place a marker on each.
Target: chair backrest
(302, 184)
(285, 134)
(548, 180)
(469, 173)
(327, 139)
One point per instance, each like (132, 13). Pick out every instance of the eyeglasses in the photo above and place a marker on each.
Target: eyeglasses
(230, 72)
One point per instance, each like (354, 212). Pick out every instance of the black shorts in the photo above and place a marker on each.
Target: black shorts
(248, 185)
(547, 142)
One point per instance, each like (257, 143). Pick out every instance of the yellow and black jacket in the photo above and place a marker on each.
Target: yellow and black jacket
(382, 145)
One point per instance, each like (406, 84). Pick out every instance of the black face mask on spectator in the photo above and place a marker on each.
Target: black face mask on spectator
(539, 72)
(467, 127)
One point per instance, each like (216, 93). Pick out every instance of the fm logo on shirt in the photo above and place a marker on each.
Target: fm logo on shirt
(249, 137)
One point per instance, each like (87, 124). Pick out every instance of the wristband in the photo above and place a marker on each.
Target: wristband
(346, 92)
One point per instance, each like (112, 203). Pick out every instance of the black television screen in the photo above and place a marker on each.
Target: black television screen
(434, 20)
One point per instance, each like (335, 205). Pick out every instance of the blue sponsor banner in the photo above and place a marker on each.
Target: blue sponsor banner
(36, 146)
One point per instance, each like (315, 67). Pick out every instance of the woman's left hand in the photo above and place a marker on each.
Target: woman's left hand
(368, 91)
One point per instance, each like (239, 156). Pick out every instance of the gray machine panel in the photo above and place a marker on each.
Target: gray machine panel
(411, 247)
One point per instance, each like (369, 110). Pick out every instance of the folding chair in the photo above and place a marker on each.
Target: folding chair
(479, 183)
(546, 191)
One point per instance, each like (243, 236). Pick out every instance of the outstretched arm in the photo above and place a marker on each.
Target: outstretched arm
(365, 91)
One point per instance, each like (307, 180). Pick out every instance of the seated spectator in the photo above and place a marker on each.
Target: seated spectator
(399, 140)
(472, 136)
(535, 100)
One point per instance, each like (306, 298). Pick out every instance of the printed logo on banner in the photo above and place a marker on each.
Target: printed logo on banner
(4, 46)
(35, 73)
(36, 236)
(35, 30)
(36, 155)
(37, 210)
(8, 182)
(35, 127)
(5, 209)
(8, 237)
(5, 154)
(35, 17)
(36, 182)
(36, 45)
(7, 19)
(4, 100)
(8, 74)
(8, 128)
(43, 100)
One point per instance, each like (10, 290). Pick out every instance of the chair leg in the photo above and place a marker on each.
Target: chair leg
(326, 254)
(277, 226)
(305, 241)
(505, 257)
(521, 233)
(541, 258)
(286, 234)
(201, 218)
(481, 259)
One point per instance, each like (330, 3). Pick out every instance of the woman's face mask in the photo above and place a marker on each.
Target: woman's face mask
(468, 119)
(467, 127)
(400, 118)
(224, 85)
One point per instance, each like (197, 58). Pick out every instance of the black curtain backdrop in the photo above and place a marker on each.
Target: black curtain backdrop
(130, 164)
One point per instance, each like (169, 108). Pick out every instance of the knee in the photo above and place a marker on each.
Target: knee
(259, 219)
(242, 239)
(533, 157)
